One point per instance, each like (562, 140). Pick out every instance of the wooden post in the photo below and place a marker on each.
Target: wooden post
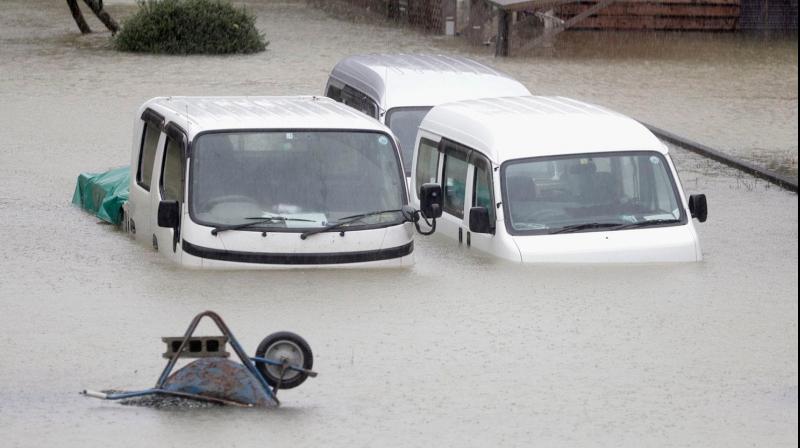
(547, 37)
(477, 19)
(78, 16)
(449, 9)
(393, 12)
(97, 8)
(503, 28)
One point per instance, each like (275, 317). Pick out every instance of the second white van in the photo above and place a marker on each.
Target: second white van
(399, 89)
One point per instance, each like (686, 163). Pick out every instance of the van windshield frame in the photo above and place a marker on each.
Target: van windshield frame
(406, 150)
(680, 219)
(298, 226)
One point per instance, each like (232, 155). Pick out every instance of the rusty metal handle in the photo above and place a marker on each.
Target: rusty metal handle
(237, 348)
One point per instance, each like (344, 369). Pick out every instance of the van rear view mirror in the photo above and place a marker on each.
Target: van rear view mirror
(479, 220)
(430, 200)
(698, 207)
(168, 214)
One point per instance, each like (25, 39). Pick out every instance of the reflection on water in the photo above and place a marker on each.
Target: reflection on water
(459, 350)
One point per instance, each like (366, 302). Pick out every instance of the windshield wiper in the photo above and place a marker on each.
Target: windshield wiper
(344, 221)
(614, 225)
(653, 222)
(588, 225)
(258, 220)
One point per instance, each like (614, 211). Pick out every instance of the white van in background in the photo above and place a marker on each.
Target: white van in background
(554, 180)
(399, 89)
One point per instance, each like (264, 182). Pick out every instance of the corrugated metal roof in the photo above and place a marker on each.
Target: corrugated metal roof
(496, 108)
(197, 114)
(397, 80)
(405, 63)
(531, 126)
(518, 4)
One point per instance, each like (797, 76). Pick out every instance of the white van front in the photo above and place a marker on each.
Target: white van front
(254, 182)
(623, 207)
(554, 180)
(276, 197)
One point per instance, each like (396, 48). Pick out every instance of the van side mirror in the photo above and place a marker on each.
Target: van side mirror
(430, 200)
(479, 220)
(169, 214)
(698, 207)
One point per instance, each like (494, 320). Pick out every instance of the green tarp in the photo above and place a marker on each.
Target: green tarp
(103, 194)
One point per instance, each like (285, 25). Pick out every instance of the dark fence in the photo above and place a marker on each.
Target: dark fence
(768, 15)
(430, 15)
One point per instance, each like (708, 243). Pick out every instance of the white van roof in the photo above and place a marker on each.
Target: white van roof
(533, 126)
(403, 80)
(198, 114)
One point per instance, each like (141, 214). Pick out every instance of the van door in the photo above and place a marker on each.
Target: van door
(142, 175)
(454, 189)
(482, 195)
(171, 187)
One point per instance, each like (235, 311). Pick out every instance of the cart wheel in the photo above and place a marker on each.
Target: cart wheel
(284, 345)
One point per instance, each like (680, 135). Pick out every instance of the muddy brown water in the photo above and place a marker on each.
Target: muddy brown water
(459, 350)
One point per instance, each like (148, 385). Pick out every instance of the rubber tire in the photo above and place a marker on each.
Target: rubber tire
(305, 349)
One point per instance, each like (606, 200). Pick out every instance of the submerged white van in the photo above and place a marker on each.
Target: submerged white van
(554, 180)
(399, 89)
(240, 182)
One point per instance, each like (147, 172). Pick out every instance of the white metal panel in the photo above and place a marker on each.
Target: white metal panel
(654, 245)
(199, 114)
(531, 126)
(406, 80)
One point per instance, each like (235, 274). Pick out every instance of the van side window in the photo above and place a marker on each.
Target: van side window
(427, 163)
(171, 172)
(454, 179)
(359, 101)
(147, 155)
(334, 93)
(482, 190)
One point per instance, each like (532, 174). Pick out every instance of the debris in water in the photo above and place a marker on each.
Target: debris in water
(283, 360)
(168, 402)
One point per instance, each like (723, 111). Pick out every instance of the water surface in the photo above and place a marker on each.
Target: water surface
(459, 350)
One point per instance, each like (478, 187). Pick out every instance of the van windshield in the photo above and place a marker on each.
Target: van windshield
(295, 180)
(589, 192)
(404, 123)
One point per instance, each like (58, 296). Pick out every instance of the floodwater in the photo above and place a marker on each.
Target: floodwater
(733, 92)
(459, 350)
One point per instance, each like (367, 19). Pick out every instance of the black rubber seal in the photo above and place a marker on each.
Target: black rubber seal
(298, 258)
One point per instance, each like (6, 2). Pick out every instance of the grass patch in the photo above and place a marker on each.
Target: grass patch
(190, 27)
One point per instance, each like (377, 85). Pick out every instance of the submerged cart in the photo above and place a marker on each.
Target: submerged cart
(283, 361)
